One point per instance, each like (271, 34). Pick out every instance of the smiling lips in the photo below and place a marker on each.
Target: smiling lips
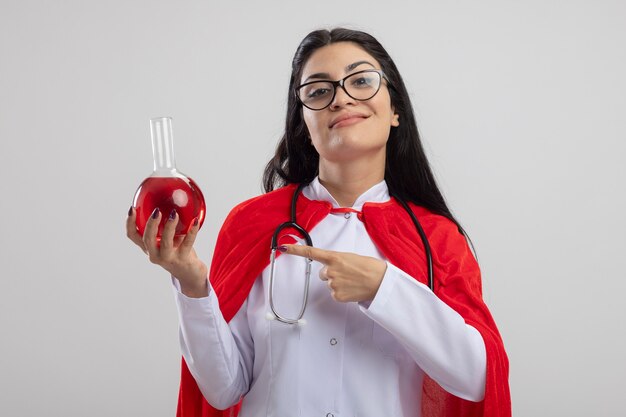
(347, 120)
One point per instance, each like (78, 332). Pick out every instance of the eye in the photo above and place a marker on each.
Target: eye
(363, 81)
(317, 92)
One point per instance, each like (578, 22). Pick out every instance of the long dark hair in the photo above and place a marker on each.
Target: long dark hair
(407, 172)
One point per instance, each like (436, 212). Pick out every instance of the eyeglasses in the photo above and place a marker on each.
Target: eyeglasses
(361, 86)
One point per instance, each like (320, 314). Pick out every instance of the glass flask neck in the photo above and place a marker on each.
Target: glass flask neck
(163, 147)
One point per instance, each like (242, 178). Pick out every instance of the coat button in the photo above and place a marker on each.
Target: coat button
(330, 415)
(333, 341)
(347, 215)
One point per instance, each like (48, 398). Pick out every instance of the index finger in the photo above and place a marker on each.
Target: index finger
(131, 229)
(316, 254)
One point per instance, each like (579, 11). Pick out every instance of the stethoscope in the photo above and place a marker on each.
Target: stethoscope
(293, 224)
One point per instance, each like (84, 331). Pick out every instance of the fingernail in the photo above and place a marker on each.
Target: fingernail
(155, 213)
(282, 248)
(195, 221)
(173, 214)
(130, 210)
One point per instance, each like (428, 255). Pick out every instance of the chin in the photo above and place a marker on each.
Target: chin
(344, 150)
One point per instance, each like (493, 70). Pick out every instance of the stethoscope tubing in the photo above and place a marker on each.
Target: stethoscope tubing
(427, 251)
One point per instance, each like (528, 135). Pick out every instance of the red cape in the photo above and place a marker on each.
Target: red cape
(242, 252)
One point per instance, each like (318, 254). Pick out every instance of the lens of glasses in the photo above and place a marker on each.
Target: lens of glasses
(360, 86)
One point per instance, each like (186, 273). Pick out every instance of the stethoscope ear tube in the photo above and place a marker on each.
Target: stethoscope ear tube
(292, 225)
(420, 231)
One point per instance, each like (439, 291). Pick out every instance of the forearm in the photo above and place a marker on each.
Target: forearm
(210, 349)
(441, 343)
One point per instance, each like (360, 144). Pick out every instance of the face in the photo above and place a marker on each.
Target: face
(348, 128)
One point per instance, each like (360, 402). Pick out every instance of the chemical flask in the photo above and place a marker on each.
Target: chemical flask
(167, 188)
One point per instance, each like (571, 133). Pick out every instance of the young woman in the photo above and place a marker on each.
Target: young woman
(395, 324)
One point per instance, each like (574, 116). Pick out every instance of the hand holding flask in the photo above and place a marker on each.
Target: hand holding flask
(166, 188)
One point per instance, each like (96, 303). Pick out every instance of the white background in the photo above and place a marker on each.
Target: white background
(521, 105)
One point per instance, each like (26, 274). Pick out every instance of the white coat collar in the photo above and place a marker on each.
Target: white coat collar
(379, 193)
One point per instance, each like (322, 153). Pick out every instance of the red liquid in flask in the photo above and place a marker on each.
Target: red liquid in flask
(169, 193)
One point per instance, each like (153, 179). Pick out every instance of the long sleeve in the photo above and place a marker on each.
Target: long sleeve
(219, 354)
(450, 351)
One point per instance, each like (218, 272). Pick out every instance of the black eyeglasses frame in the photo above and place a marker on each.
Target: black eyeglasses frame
(340, 83)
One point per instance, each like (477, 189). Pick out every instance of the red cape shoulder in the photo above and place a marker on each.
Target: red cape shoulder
(268, 205)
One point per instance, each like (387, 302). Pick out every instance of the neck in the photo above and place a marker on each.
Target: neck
(346, 181)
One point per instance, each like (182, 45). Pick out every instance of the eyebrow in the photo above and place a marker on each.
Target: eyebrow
(347, 69)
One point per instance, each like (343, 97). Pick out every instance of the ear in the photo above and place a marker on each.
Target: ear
(395, 120)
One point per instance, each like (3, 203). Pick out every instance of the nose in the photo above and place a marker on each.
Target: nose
(341, 98)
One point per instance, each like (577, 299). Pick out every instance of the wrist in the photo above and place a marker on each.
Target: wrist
(195, 290)
(379, 274)
(196, 284)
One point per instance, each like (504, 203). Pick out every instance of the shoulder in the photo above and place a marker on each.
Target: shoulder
(272, 200)
(262, 206)
(436, 225)
(431, 222)
(392, 217)
(449, 245)
(444, 235)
